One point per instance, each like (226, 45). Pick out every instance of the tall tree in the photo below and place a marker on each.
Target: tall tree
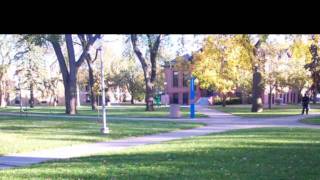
(68, 66)
(9, 52)
(31, 69)
(258, 60)
(149, 64)
(84, 39)
(299, 77)
(218, 64)
(314, 66)
(276, 69)
(128, 75)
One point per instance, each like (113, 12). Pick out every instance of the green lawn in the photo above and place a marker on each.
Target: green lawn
(20, 134)
(313, 120)
(276, 111)
(125, 111)
(269, 153)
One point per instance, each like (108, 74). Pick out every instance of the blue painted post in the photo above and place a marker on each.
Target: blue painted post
(192, 108)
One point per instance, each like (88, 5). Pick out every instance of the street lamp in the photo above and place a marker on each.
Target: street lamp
(192, 108)
(193, 80)
(104, 129)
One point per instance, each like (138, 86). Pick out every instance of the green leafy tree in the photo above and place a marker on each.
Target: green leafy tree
(68, 65)
(129, 76)
(10, 52)
(31, 70)
(298, 76)
(314, 66)
(148, 62)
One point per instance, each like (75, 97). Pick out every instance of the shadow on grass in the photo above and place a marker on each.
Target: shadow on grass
(197, 158)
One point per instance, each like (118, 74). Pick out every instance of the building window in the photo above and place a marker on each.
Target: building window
(175, 79)
(185, 79)
(185, 98)
(175, 98)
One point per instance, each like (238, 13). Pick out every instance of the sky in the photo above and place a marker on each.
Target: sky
(116, 43)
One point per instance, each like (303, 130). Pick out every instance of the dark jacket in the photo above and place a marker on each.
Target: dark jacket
(305, 101)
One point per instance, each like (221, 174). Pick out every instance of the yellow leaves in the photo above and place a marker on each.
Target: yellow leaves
(218, 65)
(182, 64)
(300, 50)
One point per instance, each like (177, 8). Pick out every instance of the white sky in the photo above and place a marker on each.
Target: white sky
(116, 44)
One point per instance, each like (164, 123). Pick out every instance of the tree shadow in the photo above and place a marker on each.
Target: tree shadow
(229, 155)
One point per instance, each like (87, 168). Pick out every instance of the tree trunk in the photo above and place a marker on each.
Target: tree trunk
(70, 91)
(149, 70)
(70, 76)
(67, 97)
(315, 92)
(78, 96)
(31, 101)
(73, 93)
(244, 98)
(132, 99)
(224, 98)
(270, 97)
(3, 102)
(93, 99)
(257, 90)
(149, 95)
(299, 96)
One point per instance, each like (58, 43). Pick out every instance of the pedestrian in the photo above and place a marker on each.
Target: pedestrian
(305, 104)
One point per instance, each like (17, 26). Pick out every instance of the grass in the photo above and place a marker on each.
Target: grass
(276, 111)
(313, 120)
(18, 134)
(124, 111)
(267, 153)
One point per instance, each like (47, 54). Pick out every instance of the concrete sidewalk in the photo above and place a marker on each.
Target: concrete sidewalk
(217, 122)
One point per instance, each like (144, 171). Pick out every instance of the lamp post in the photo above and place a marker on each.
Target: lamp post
(104, 129)
(192, 93)
(20, 95)
(192, 108)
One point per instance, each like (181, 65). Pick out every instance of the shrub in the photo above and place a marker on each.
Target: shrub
(229, 101)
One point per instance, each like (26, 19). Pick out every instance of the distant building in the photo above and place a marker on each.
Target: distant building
(177, 84)
(178, 89)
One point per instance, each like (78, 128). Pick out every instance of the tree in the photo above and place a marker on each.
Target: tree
(50, 86)
(258, 60)
(90, 60)
(276, 69)
(10, 51)
(148, 64)
(129, 76)
(218, 64)
(252, 53)
(68, 65)
(314, 66)
(299, 77)
(31, 69)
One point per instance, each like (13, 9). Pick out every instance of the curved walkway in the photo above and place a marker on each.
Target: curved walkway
(217, 122)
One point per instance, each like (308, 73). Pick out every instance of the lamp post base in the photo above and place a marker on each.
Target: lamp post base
(104, 130)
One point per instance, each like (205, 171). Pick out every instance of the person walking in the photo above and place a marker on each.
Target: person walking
(305, 104)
